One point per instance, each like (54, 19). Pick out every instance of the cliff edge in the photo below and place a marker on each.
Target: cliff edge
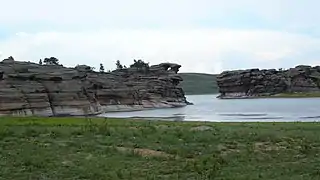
(53, 90)
(257, 83)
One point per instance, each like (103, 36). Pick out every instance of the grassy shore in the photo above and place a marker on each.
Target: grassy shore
(80, 148)
(298, 95)
(281, 95)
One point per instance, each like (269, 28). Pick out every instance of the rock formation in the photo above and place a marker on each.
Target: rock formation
(53, 90)
(255, 82)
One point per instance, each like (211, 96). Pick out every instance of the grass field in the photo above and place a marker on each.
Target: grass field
(81, 148)
(298, 95)
(198, 83)
(282, 95)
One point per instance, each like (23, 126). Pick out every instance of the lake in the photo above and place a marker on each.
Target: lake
(209, 108)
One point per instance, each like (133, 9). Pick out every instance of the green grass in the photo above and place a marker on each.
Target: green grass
(198, 83)
(284, 95)
(297, 95)
(81, 148)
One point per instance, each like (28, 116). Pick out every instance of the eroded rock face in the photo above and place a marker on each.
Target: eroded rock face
(255, 82)
(51, 90)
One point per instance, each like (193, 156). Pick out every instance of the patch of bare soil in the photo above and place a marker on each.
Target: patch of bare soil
(201, 128)
(268, 146)
(227, 149)
(145, 152)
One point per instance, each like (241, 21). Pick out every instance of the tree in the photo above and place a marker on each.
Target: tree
(40, 62)
(140, 65)
(51, 61)
(101, 68)
(119, 65)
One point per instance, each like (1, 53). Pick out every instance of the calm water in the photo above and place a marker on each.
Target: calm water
(208, 108)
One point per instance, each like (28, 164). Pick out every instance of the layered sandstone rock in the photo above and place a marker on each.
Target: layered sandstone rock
(255, 82)
(52, 90)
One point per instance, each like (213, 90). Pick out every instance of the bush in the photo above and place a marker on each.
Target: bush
(140, 65)
(51, 61)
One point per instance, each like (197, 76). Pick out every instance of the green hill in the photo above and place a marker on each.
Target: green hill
(199, 83)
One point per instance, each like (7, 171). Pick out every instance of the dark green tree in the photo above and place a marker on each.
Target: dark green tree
(140, 65)
(101, 68)
(40, 62)
(51, 61)
(119, 65)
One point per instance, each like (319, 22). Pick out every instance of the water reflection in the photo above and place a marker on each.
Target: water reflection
(169, 118)
(208, 108)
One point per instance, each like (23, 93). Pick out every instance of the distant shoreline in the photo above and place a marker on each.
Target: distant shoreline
(281, 95)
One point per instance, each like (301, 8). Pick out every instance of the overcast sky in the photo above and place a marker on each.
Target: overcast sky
(202, 35)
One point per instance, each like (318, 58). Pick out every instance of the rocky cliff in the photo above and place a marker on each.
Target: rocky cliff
(52, 90)
(255, 82)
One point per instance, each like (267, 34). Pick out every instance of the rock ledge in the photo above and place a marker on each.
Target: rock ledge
(29, 89)
(267, 82)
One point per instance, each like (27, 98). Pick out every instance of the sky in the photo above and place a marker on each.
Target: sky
(207, 36)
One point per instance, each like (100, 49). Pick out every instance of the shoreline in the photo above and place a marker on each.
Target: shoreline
(281, 95)
(177, 119)
(81, 120)
(75, 112)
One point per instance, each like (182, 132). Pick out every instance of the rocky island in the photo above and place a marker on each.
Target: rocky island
(250, 83)
(53, 90)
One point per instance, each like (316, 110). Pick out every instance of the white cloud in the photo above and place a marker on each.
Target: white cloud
(292, 14)
(107, 12)
(90, 32)
(197, 50)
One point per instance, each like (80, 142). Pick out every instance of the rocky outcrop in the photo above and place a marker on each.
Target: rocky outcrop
(255, 82)
(53, 90)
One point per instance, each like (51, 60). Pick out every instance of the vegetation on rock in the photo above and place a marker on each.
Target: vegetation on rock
(119, 65)
(101, 69)
(139, 64)
(51, 61)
